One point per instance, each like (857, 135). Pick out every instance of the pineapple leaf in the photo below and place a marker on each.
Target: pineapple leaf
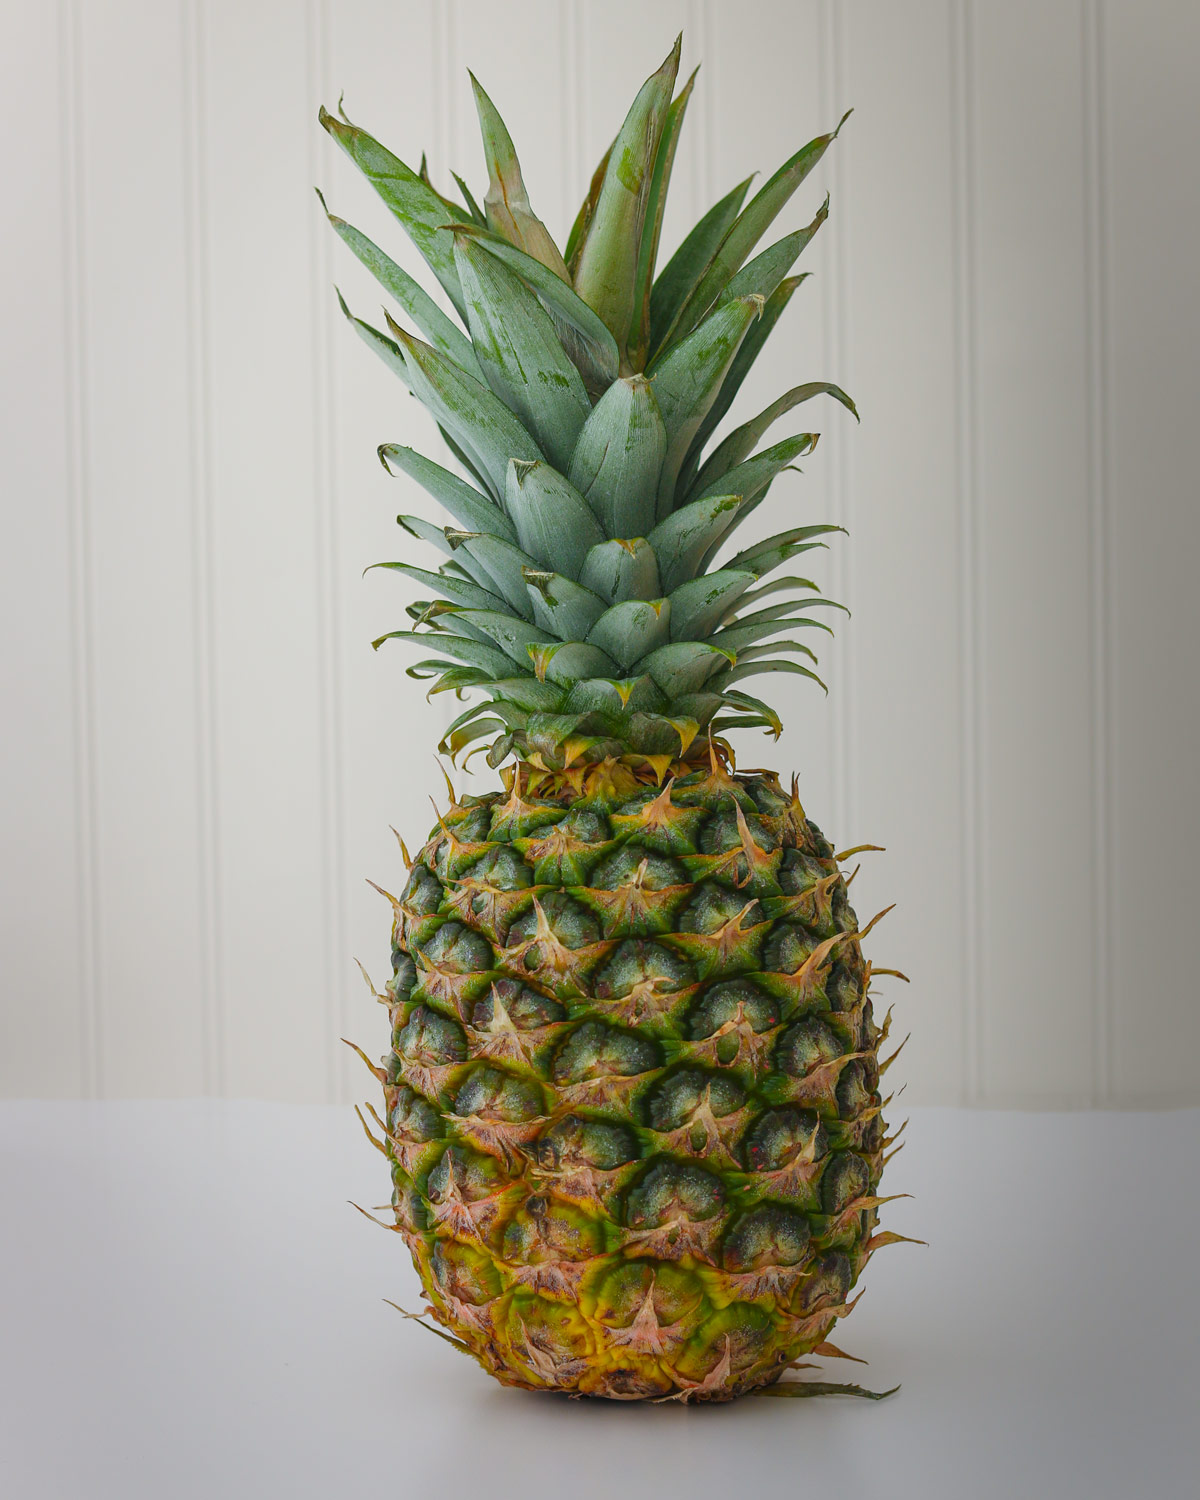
(681, 541)
(527, 693)
(503, 565)
(565, 662)
(419, 209)
(506, 205)
(474, 416)
(469, 508)
(513, 636)
(606, 277)
(414, 300)
(458, 648)
(766, 715)
(755, 653)
(377, 342)
(699, 606)
(583, 219)
(477, 214)
(622, 569)
(683, 270)
(426, 531)
(631, 630)
(519, 352)
(561, 605)
(757, 668)
(660, 184)
(457, 590)
(683, 667)
(746, 231)
(689, 379)
(764, 273)
(749, 351)
(768, 545)
(618, 459)
(581, 332)
(751, 478)
(742, 442)
(552, 519)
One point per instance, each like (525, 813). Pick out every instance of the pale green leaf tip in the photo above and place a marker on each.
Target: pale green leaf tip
(840, 123)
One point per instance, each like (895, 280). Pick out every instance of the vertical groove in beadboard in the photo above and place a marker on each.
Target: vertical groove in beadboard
(962, 137)
(582, 97)
(79, 541)
(833, 262)
(707, 50)
(328, 571)
(849, 808)
(196, 231)
(1099, 354)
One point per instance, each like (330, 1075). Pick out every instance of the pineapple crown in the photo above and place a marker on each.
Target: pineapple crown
(580, 592)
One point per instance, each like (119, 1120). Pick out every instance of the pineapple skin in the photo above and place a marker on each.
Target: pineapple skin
(632, 1100)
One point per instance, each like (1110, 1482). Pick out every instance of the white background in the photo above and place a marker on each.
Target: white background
(201, 755)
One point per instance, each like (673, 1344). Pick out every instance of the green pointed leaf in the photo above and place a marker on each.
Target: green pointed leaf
(681, 541)
(744, 701)
(472, 511)
(561, 605)
(776, 586)
(477, 214)
(503, 565)
(457, 590)
(678, 277)
(427, 532)
(757, 668)
(519, 352)
(689, 379)
(554, 524)
(420, 210)
(377, 342)
(474, 416)
(567, 661)
(622, 569)
(746, 231)
(699, 606)
(656, 204)
(454, 210)
(416, 302)
(456, 740)
(513, 636)
(750, 479)
(472, 653)
(583, 219)
(751, 348)
(631, 630)
(683, 667)
(764, 273)
(606, 276)
(506, 204)
(741, 443)
(781, 539)
(619, 456)
(757, 653)
(528, 694)
(584, 337)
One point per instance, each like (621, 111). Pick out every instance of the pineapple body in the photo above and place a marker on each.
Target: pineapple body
(632, 1099)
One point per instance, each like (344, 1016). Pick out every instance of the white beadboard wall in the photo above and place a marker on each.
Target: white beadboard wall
(201, 753)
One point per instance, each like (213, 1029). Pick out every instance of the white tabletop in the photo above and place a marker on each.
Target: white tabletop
(191, 1310)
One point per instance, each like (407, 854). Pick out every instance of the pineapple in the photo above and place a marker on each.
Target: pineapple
(632, 1099)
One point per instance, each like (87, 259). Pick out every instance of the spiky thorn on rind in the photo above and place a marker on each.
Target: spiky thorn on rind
(419, 1320)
